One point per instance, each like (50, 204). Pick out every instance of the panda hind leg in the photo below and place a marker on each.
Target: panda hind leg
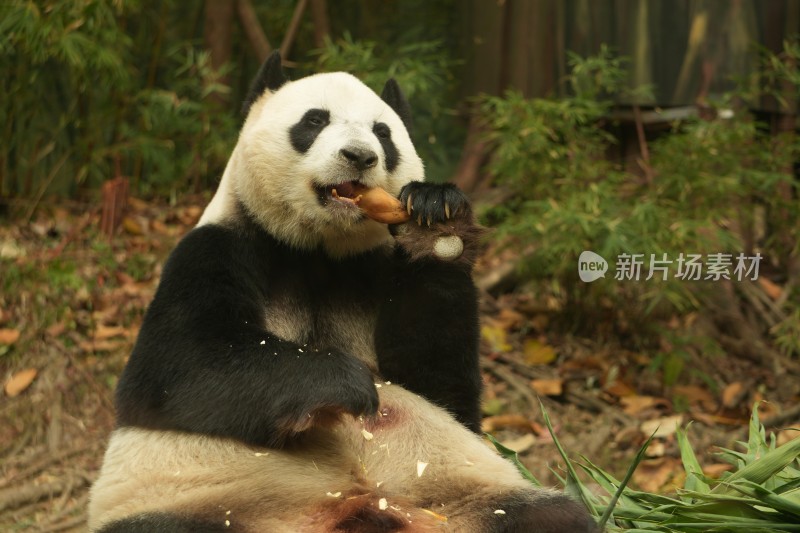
(542, 512)
(164, 522)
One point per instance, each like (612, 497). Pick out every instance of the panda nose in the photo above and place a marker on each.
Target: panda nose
(360, 158)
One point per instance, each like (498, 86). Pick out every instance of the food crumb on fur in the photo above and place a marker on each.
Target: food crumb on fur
(367, 435)
(499, 511)
(382, 504)
(421, 466)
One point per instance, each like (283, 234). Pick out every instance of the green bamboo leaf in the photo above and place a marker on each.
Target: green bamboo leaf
(769, 497)
(573, 485)
(694, 472)
(765, 467)
(513, 456)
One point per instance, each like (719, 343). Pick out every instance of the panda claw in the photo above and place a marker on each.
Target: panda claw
(408, 205)
(429, 221)
(419, 220)
(447, 210)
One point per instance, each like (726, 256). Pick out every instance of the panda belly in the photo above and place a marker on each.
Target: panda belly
(412, 468)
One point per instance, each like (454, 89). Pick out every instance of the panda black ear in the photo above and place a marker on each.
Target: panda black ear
(270, 77)
(393, 96)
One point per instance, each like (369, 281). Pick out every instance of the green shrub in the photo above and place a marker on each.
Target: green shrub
(707, 183)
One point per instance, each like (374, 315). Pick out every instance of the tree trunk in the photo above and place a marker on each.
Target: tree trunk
(252, 28)
(217, 36)
(322, 25)
(291, 31)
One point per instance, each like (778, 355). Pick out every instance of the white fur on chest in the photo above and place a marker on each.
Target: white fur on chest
(347, 328)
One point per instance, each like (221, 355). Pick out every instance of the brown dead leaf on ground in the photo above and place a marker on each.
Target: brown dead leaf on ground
(658, 475)
(509, 319)
(102, 332)
(9, 336)
(635, 404)
(548, 387)
(132, 226)
(716, 470)
(733, 394)
(696, 395)
(538, 353)
(711, 419)
(20, 381)
(496, 336)
(520, 444)
(786, 435)
(661, 427)
(773, 290)
(107, 345)
(514, 421)
(620, 389)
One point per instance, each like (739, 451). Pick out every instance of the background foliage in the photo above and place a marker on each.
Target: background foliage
(98, 87)
(714, 184)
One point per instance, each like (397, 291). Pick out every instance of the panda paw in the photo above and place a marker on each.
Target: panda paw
(442, 226)
(341, 385)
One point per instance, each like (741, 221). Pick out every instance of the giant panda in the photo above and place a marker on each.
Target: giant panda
(303, 368)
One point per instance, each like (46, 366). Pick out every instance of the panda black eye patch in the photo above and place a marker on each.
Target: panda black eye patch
(384, 135)
(303, 134)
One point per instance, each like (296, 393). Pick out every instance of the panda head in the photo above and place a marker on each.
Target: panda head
(304, 139)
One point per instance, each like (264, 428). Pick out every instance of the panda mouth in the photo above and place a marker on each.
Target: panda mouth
(346, 194)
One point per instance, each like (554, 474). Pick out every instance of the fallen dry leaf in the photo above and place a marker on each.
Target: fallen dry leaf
(717, 469)
(548, 387)
(733, 394)
(633, 405)
(538, 353)
(656, 449)
(20, 381)
(520, 444)
(786, 435)
(132, 226)
(653, 475)
(663, 427)
(497, 422)
(696, 394)
(712, 419)
(510, 319)
(159, 227)
(102, 332)
(619, 389)
(9, 336)
(496, 337)
(56, 329)
(773, 291)
(100, 346)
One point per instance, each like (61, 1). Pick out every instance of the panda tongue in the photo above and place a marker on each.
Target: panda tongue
(345, 189)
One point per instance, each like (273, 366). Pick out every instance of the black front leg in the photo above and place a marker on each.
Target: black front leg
(428, 332)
